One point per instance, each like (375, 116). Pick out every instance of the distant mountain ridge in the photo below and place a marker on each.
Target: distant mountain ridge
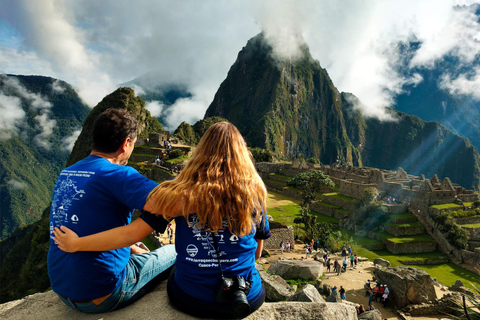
(293, 108)
(31, 159)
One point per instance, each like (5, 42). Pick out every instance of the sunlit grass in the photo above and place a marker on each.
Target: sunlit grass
(341, 197)
(446, 206)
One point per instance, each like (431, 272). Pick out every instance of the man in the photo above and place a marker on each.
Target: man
(96, 194)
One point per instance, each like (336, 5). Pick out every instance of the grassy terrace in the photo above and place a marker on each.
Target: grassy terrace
(447, 206)
(403, 216)
(340, 196)
(446, 273)
(406, 224)
(281, 176)
(406, 239)
(326, 204)
(472, 226)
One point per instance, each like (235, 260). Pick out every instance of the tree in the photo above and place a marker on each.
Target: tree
(311, 182)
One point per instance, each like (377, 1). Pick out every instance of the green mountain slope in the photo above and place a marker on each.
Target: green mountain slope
(24, 268)
(32, 154)
(290, 108)
(293, 108)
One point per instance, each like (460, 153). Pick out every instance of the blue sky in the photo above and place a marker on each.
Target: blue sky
(96, 45)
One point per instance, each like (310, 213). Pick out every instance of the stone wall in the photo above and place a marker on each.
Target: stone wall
(468, 197)
(344, 204)
(279, 234)
(474, 233)
(468, 220)
(396, 208)
(354, 189)
(472, 258)
(404, 231)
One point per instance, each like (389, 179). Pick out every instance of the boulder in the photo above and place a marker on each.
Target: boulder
(460, 287)
(155, 306)
(265, 253)
(362, 259)
(334, 297)
(304, 311)
(327, 289)
(407, 285)
(307, 294)
(276, 288)
(381, 262)
(371, 315)
(290, 269)
(318, 285)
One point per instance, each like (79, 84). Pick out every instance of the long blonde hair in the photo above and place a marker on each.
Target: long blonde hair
(219, 183)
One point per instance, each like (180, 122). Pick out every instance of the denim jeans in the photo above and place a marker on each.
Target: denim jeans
(144, 271)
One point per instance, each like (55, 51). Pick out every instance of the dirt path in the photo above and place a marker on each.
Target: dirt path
(353, 281)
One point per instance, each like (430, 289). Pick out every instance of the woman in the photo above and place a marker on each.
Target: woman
(218, 202)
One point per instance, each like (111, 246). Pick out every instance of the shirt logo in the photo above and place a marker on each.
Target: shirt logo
(192, 250)
(75, 218)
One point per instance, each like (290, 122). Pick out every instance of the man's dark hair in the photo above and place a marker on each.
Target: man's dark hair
(111, 129)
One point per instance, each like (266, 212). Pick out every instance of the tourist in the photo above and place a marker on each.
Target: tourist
(342, 293)
(355, 259)
(100, 193)
(370, 296)
(336, 267)
(288, 246)
(334, 289)
(235, 218)
(281, 246)
(385, 299)
(361, 309)
(376, 292)
(345, 264)
(381, 290)
(352, 258)
(328, 265)
(307, 252)
(367, 287)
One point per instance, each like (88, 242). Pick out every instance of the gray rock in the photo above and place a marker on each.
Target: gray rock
(318, 285)
(407, 285)
(362, 259)
(371, 315)
(265, 253)
(290, 269)
(334, 297)
(381, 262)
(307, 294)
(304, 311)
(155, 306)
(327, 289)
(276, 288)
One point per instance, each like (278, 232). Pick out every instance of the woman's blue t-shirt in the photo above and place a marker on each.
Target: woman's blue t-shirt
(198, 273)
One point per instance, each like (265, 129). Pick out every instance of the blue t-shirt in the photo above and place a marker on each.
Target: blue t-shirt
(197, 271)
(91, 196)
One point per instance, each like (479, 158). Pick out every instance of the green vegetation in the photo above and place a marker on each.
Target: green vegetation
(456, 235)
(175, 154)
(340, 196)
(473, 225)
(465, 214)
(405, 224)
(261, 155)
(31, 162)
(405, 239)
(446, 206)
(191, 135)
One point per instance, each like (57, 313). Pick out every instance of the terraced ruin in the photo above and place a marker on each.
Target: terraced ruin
(411, 203)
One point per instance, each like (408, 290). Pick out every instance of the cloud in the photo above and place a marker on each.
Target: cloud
(69, 141)
(13, 119)
(463, 84)
(155, 108)
(95, 44)
(11, 115)
(57, 87)
(16, 184)
(46, 126)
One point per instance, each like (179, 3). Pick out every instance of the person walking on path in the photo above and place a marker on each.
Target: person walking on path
(281, 246)
(342, 292)
(355, 260)
(345, 264)
(352, 258)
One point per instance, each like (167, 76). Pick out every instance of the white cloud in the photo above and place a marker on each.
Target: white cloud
(69, 142)
(16, 184)
(57, 87)
(463, 84)
(11, 115)
(46, 126)
(96, 44)
(155, 108)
